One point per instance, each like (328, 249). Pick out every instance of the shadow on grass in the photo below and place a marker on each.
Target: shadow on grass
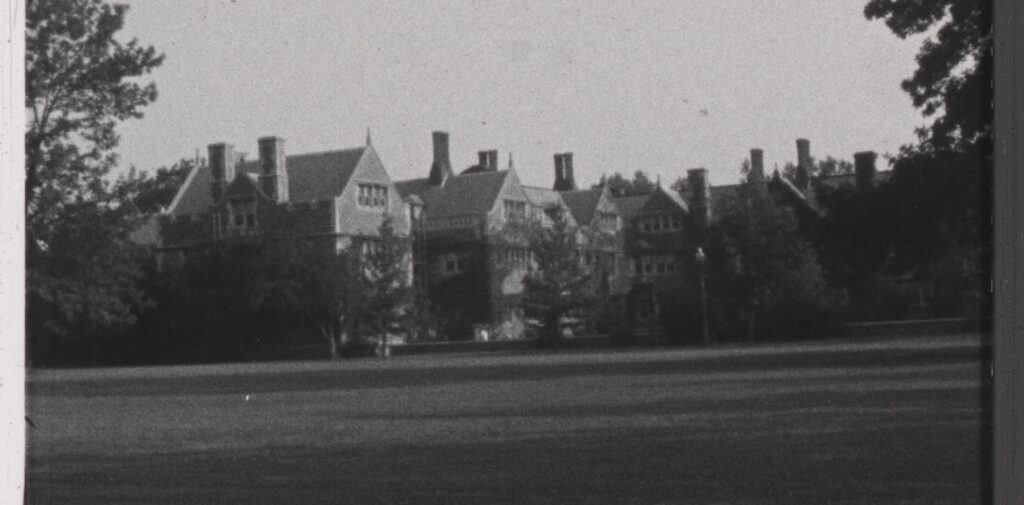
(643, 465)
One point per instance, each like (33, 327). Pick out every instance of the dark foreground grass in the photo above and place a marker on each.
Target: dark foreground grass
(849, 424)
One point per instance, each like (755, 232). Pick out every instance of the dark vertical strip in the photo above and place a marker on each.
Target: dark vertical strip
(1008, 448)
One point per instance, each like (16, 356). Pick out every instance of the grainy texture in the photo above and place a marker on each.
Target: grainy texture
(818, 423)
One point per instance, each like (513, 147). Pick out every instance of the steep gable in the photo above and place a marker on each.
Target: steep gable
(631, 206)
(664, 201)
(583, 203)
(321, 176)
(462, 195)
(245, 185)
(351, 218)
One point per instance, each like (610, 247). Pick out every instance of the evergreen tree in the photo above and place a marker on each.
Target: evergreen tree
(558, 284)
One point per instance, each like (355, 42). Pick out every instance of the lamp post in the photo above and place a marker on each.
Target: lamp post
(700, 259)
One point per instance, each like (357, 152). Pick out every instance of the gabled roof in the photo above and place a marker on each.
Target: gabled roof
(465, 194)
(582, 203)
(675, 197)
(314, 176)
(663, 200)
(321, 176)
(806, 199)
(630, 206)
(543, 197)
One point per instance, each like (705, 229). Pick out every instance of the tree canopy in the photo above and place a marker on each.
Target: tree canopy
(953, 80)
(761, 270)
(618, 184)
(81, 81)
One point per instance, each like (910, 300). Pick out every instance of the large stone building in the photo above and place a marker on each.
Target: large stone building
(464, 263)
(337, 197)
(469, 268)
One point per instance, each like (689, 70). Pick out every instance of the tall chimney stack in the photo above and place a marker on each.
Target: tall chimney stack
(222, 165)
(559, 173)
(567, 171)
(700, 195)
(756, 165)
(441, 168)
(492, 160)
(803, 163)
(273, 168)
(864, 165)
(482, 159)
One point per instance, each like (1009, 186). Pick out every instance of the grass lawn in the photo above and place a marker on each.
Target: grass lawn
(841, 423)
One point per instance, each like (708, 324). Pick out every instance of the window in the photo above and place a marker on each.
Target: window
(608, 220)
(370, 247)
(373, 195)
(517, 256)
(243, 215)
(454, 264)
(661, 223)
(659, 264)
(515, 210)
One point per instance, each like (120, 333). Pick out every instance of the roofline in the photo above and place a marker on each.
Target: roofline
(181, 191)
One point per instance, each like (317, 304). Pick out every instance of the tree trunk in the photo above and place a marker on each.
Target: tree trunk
(334, 347)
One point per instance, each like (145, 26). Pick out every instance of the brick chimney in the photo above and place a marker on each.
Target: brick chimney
(864, 164)
(700, 195)
(756, 165)
(488, 160)
(560, 184)
(222, 165)
(441, 168)
(803, 163)
(273, 168)
(492, 160)
(568, 177)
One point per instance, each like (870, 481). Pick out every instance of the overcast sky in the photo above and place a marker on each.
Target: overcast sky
(660, 86)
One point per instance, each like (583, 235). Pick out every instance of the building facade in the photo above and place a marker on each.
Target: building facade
(338, 198)
(464, 264)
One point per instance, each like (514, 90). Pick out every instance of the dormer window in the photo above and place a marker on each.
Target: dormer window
(243, 215)
(608, 220)
(515, 210)
(373, 195)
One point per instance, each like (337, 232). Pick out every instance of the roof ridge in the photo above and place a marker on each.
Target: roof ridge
(483, 172)
(329, 151)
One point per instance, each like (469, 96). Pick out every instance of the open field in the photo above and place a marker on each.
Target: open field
(839, 422)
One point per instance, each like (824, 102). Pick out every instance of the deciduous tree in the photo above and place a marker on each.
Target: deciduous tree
(80, 82)
(761, 271)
